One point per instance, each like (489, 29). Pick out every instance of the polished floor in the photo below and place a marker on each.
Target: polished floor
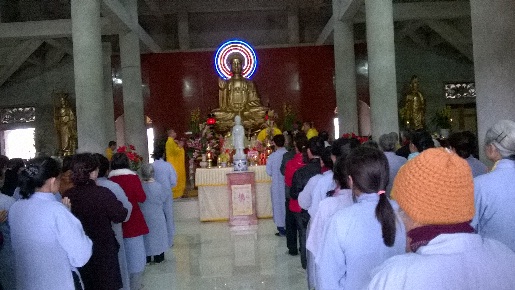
(212, 256)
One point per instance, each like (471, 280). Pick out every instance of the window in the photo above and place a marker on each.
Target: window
(19, 143)
(150, 138)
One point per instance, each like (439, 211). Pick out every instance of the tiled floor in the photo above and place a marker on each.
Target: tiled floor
(212, 256)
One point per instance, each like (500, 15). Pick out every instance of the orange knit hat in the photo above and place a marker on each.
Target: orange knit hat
(436, 187)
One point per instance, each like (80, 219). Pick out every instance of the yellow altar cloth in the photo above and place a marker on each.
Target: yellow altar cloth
(213, 193)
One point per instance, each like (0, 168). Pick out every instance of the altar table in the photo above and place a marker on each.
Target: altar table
(213, 193)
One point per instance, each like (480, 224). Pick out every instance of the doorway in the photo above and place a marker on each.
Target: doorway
(19, 143)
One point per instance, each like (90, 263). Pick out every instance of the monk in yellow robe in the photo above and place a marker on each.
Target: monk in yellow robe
(176, 156)
(309, 129)
(110, 150)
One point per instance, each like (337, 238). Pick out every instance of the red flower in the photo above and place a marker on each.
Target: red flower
(132, 147)
(361, 139)
(121, 149)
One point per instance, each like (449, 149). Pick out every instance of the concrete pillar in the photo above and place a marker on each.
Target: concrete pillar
(345, 76)
(493, 23)
(381, 67)
(133, 111)
(183, 27)
(293, 25)
(87, 66)
(108, 93)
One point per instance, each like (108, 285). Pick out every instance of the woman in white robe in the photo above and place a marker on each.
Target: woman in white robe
(157, 210)
(49, 243)
(165, 174)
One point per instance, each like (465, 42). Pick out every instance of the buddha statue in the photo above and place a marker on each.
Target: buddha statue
(66, 126)
(415, 108)
(238, 96)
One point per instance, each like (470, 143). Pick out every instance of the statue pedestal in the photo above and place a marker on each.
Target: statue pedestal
(242, 198)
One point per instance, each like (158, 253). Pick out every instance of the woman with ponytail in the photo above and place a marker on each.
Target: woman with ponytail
(363, 235)
(49, 243)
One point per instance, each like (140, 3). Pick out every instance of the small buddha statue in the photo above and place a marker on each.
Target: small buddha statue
(415, 107)
(66, 126)
(238, 96)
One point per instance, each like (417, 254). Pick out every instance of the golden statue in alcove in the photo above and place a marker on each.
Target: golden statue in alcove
(414, 111)
(66, 125)
(238, 96)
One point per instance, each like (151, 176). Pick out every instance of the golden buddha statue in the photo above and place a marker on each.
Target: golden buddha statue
(415, 108)
(66, 126)
(238, 96)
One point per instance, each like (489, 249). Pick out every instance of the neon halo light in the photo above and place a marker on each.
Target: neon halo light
(227, 50)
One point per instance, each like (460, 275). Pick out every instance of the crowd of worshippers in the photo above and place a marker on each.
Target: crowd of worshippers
(83, 222)
(384, 215)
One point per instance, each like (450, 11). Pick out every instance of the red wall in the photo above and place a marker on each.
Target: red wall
(183, 81)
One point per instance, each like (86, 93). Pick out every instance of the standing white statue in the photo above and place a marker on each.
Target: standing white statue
(238, 135)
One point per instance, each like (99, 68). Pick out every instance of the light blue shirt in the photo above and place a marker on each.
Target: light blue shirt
(324, 184)
(165, 174)
(395, 163)
(48, 243)
(476, 166)
(7, 276)
(494, 195)
(117, 227)
(353, 246)
(450, 261)
(157, 210)
(277, 191)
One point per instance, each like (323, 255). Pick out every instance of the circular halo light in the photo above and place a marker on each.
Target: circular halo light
(225, 53)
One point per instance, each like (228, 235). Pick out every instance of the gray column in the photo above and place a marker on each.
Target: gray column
(381, 67)
(345, 77)
(108, 93)
(493, 24)
(183, 27)
(293, 25)
(134, 116)
(87, 65)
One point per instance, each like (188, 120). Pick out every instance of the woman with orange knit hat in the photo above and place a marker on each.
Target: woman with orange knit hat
(494, 192)
(360, 237)
(435, 191)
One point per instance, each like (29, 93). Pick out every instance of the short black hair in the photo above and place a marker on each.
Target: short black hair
(464, 143)
(422, 140)
(326, 157)
(103, 165)
(324, 135)
(120, 161)
(279, 140)
(301, 142)
(343, 146)
(67, 161)
(159, 148)
(111, 143)
(316, 145)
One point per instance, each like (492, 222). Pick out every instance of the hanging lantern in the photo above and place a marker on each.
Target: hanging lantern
(211, 119)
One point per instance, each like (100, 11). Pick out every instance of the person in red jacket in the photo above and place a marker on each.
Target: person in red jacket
(135, 227)
(293, 205)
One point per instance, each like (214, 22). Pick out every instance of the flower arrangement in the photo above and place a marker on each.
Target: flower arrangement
(202, 142)
(442, 118)
(135, 160)
(195, 121)
(361, 139)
